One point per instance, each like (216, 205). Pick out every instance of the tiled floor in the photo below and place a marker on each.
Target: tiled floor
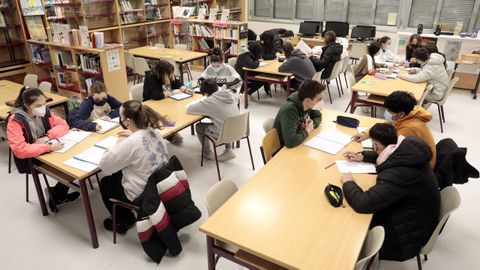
(61, 241)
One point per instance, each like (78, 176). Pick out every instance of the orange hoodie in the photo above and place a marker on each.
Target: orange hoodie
(415, 124)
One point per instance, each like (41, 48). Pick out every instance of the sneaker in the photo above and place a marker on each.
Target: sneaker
(72, 196)
(226, 155)
(176, 139)
(108, 225)
(209, 155)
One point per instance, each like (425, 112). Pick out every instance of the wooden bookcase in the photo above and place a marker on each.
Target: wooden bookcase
(237, 12)
(70, 68)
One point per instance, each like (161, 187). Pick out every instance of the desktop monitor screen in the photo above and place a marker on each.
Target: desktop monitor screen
(361, 33)
(373, 29)
(307, 29)
(340, 28)
(319, 25)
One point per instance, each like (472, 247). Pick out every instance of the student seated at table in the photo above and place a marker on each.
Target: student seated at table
(222, 73)
(367, 64)
(385, 54)
(251, 59)
(218, 105)
(99, 105)
(296, 119)
(407, 119)
(432, 48)
(269, 49)
(30, 128)
(280, 36)
(140, 150)
(414, 42)
(432, 72)
(405, 199)
(160, 83)
(331, 53)
(297, 63)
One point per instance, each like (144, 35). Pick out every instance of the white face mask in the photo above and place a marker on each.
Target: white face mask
(216, 69)
(40, 111)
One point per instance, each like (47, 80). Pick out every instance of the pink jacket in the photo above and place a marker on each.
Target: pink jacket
(21, 148)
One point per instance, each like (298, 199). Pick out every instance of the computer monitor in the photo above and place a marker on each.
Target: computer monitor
(340, 28)
(319, 25)
(372, 29)
(362, 33)
(307, 29)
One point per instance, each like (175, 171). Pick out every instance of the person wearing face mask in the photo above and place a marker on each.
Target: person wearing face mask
(433, 72)
(140, 151)
(30, 127)
(224, 75)
(217, 106)
(367, 64)
(99, 105)
(160, 83)
(407, 119)
(405, 199)
(385, 54)
(297, 119)
(414, 42)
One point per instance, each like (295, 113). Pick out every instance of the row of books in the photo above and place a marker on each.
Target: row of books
(125, 5)
(226, 33)
(181, 29)
(52, 2)
(40, 53)
(53, 12)
(89, 62)
(64, 79)
(155, 13)
(128, 18)
(201, 30)
(230, 48)
(63, 59)
(85, 83)
(204, 45)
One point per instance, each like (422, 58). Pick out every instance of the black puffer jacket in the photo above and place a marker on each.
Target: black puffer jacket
(405, 200)
(331, 53)
(247, 60)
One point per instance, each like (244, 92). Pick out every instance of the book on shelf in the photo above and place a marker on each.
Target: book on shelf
(89, 62)
(186, 12)
(213, 14)
(31, 7)
(36, 28)
(84, 36)
(201, 30)
(125, 5)
(203, 45)
(201, 13)
(40, 53)
(64, 78)
(86, 83)
(64, 59)
(243, 31)
(225, 15)
(99, 39)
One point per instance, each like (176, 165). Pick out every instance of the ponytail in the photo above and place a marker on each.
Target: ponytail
(142, 115)
(27, 96)
(217, 55)
(383, 39)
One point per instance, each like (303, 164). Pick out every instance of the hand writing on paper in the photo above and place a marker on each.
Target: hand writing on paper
(360, 137)
(309, 126)
(352, 156)
(56, 146)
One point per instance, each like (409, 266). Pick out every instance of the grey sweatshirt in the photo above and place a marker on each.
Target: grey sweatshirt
(218, 106)
(298, 64)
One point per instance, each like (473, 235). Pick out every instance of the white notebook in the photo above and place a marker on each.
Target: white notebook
(180, 96)
(329, 141)
(70, 139)
(347, 166)
(115, 120)
(106, 125)
(92, 155)
(367, 144)
(80, 165)
(107, 143)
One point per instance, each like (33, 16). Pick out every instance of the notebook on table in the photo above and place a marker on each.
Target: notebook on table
(329, 141)
(106, 125)
(180, 96)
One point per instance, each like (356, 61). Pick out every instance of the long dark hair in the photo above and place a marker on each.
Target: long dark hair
(267, 41)
(142, 115)
(27, 96)
(256, 48)
(417, 37)
(373, 48)
(162, 68)
(217, 55)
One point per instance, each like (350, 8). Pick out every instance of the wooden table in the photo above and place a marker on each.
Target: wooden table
(282, 215)
(176, 110)
(179, 56)
(9, 92)
(381, 89)
(268, 73)
(469, 62)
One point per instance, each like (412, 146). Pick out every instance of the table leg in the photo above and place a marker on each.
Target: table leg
(474, 92)
(210, 254)
(88, 213)
(353, 102)
(65, 107)
(205, 62)
(180, 67)
(289, 86)
(38, 187)
(245, 89)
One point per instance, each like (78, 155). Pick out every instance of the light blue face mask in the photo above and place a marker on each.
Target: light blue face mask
(388, 116)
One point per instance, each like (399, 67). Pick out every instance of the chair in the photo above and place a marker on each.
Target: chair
(441, 112)
(140, 68)
(450, 201)
(346, 64)
(129, 64)
(186, 66)
(45, 86)
(176, 70)
(357, 51)
(233, 129)
(136, 92)
(31, 80)
(268, 124)
(232, 61)
(370, 248)
(337, 69)
(270, 145)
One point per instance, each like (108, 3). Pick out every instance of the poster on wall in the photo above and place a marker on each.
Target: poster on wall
(402, 47)
(452, 50)
(113, 60)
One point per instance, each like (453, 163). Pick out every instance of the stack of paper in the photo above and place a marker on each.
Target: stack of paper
(368, 142)
(329, 141)
(107, 143)
(106, 125)
(262, 64)
(346, 166)
(71, 139)
(180, 96)
(92, 155)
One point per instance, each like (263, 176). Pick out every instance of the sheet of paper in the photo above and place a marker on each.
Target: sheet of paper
(180, 96)
(346, 166)
(335, 136)
(329, 141)
(115, 120)
(106, 125)
(368, 142)
(262, 64)
(107, 143)
(303, 47)
(92, 155)
(75, 135)
(80, 165)
(392, 19)
(66, 146)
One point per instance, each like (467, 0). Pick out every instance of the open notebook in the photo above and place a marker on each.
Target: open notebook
(347, 166)
(329, 141)
(106, 125)
(180, 96)
(87, 160)
(70, 139)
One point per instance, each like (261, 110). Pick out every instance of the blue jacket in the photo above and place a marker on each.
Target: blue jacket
(80, 120)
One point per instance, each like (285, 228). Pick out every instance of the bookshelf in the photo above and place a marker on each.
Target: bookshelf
(99, 13)
(236, 7)
(73, 69)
